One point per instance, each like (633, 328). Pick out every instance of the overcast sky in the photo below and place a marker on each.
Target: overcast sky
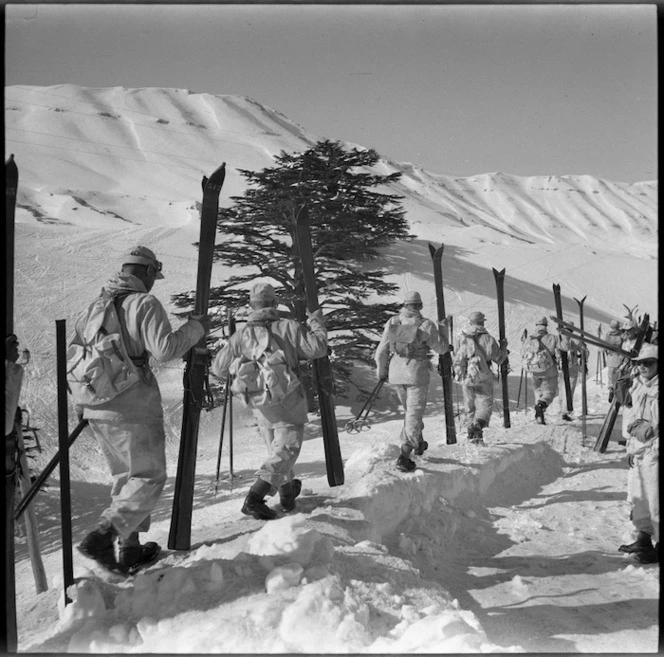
(465, 89)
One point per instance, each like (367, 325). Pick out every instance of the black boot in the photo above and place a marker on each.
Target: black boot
(133, 555)
(422, 447)
(254, 504)
(287, 494)
(475, 433)
(99, 545)
(648, 556)
(405, 464)
(539, 412)
(643, 543)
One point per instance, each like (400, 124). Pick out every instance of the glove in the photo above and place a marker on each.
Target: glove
(641, 430)
(316, 316)
(79, 412)
(382, 376)
(630, 460)
(204, 320)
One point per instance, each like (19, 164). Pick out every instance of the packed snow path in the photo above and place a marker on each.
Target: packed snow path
(510, 547)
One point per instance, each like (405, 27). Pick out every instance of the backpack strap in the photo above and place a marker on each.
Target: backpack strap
(481, 350)
(118, 298)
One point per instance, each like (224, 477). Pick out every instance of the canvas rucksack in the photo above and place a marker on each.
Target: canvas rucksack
(99, 367)
(538, 358)
(405, 339)
(473, 360)
(261, 375)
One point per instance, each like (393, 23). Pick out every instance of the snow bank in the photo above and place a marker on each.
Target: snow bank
(301, 584)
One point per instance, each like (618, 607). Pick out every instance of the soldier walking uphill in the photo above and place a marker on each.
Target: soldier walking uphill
(472, 367)
(613, 359)
(129, 427)
(402, 357)
(642, 421)
(263, 362)
(538, 353)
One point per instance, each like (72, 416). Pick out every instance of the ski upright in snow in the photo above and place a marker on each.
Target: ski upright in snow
(196, 372)
(604, 435)
(564, 362)
(584, 373)
(504, 366)
(323, 380)
(9, 636)
(444, 360)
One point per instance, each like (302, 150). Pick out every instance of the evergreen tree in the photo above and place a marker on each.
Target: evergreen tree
(350, 222)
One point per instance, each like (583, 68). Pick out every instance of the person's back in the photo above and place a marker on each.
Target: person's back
(281, 424)
(403, 358)
(539, 356)
(129, 427)
(474, 355)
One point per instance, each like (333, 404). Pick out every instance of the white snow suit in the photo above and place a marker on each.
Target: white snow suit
(472, 368)
(643, 476)
(130, 428)
(545, 384)
(282, 427)
(410, 374)
(613, 359)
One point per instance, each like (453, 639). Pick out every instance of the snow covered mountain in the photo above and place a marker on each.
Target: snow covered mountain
(137, 155)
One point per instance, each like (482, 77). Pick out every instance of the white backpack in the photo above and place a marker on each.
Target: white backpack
(98, 365)
(538, 360)
(261, 375)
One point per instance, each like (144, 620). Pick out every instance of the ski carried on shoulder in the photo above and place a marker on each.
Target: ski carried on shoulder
(444, 360)
(504, 366)
(604, 435)
(196, 371)
(322, 370)
(585, 336)
(563, 355)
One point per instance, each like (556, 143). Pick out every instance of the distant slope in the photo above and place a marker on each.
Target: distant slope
(88, 155)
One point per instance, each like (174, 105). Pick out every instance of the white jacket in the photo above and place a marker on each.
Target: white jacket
(149, 331)
(410, 371)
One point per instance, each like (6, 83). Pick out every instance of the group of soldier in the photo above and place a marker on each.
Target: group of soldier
(402, 358)
(130, 432)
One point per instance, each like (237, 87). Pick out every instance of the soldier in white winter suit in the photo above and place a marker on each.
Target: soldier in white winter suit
(402, 357)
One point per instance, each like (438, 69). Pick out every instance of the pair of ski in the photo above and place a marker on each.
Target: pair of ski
(445, 360)
(196, 368)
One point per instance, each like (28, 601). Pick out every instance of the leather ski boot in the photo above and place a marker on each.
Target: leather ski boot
(99, 545)
(254, 504)
(648, 556)
(643, 543)
(287, 494)
(539, 412)
(405, 464)
(422, 447)
(133, 555)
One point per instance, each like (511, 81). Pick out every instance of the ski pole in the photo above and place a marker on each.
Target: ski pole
(356, 425)
(584, 394)
(230, 440)
(65, 483)
(221, 434)
(518, 394)
(46, 473)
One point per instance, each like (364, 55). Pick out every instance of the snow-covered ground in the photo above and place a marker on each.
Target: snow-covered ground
(511, 547)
